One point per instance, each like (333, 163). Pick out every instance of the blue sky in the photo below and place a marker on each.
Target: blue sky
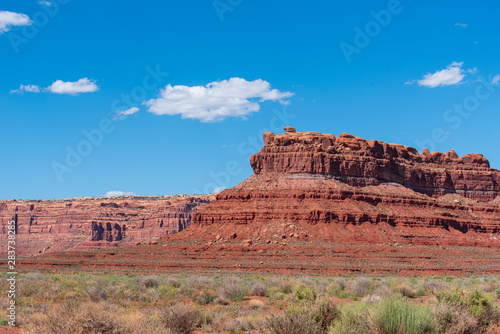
(174, 95)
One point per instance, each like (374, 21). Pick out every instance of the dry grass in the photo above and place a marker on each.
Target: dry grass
(86, 318)
(255, 304)
(157, 304)
(180, 319)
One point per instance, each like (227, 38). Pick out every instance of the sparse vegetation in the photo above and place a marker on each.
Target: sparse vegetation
(292, 323)
(151, 281)
(180, 319)
(128, 304)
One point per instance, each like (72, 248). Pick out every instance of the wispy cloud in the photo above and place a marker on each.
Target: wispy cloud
(11, 19)
(453, 74)
(125, 113)
(45, 3)
(461, 25)
(115, 193)
(26, 88)
(472, 70)
(496, 79)
(218, 190)
(217, 100)
(61, 87)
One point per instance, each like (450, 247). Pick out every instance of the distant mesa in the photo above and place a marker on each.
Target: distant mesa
(93, 223)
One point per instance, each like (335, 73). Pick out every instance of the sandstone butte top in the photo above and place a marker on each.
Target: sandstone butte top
(368, 162)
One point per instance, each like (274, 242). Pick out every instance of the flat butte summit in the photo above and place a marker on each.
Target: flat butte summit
(316, 204)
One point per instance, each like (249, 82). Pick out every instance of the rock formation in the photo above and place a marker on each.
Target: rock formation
(360, 162)
(318, 205)
(312, 178)
(89, 223)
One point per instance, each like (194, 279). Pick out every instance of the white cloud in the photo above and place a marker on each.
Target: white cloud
(461, 25)
(123, 114)
(11, 19)
(45, 3)
(81, 86)
(496, 79)
(217, 100)
(472, 70)
(119, 193)
(451, 75)
(60, 87)
(218, 190)
(26, 88)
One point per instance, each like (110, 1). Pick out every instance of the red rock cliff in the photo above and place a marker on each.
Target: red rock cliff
(89, 223)
(360, 162)
(364, 192)
(323, 205)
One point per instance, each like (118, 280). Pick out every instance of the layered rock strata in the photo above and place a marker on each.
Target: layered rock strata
(341, 182)
(360, 162)
(90, 223)
(324, 205)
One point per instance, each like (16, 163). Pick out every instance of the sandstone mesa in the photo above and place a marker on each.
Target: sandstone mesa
(316, 203)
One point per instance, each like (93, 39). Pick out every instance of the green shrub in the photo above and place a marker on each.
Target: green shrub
(337, 288)
(195, 283)
(303, 292)
(286, 286)
(203, 297)
(477, 303)
(397, 316)
(352, 319)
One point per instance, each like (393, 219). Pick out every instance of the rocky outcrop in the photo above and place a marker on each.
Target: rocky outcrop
(308, 178)
(89, 223)
(110, 233)
(360, 162)
(324, 205)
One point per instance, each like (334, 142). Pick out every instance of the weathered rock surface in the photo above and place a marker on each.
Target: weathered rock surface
(360, 162)
(340, 182)
(92, 223)
(324, 205)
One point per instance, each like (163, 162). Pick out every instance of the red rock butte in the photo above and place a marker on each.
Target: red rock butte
(360, 162)
(313, 177)
(323, 205)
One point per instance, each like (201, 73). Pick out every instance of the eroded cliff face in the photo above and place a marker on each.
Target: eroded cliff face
(341, 183)
(360, 162)
(91, 223)
(324, 205)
